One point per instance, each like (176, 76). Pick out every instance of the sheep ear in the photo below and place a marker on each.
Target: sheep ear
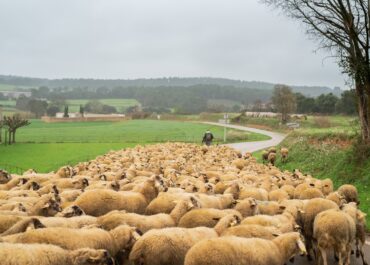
(216, 219)
(275, 234)
(282, 207)
(47, 205)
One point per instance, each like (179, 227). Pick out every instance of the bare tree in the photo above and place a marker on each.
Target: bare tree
(343, 27)
(284, 101)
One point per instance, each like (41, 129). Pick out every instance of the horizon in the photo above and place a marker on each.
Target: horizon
(173, 77)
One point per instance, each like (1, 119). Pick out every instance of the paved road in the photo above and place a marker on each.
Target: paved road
(276, 138)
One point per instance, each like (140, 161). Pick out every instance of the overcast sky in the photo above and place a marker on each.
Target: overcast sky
(238, 39)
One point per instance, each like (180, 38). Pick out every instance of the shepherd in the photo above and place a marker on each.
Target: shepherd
(207, 138)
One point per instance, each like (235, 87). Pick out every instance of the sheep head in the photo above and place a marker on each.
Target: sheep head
(35, 186)
(51, 207)
(86, 256)
(71, 211)
(4, 176)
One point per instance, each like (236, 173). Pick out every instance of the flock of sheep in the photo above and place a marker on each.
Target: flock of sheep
(175, 204)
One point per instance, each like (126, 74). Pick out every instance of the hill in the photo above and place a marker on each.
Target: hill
(94, 84)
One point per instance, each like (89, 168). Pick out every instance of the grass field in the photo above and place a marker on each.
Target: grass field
(44, 145)
(5, 87)
(120, 104)
(48, 157)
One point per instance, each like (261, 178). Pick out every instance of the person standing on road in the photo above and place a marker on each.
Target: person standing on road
(207, 138)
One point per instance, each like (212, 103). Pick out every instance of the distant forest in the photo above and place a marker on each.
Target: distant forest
(185, 95)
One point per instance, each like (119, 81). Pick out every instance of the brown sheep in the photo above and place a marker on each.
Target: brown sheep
(42, 254)
(272, 158)
(336, 230)
(173, 243)
(207, 217)
(349, 192)
(145, 223)
(284, 154)
(4, 177)
(120, 238)
(307, 217)
(248, 231)
(311, 193)
(23, 225)
(100, 202)
(245, 251)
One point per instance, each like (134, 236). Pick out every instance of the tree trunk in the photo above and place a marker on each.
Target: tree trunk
(363, 112)
(10, 137)
(13, 140)
(1, 136)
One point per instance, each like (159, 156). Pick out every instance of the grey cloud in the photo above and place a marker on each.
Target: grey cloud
(240, 39)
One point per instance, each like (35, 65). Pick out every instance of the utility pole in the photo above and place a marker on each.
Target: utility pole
(226, 119)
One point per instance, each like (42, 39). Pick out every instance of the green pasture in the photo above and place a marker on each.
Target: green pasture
(44, 146)
(120, 104)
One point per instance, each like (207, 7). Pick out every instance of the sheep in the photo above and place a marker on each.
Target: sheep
(13, 182)
(278, 195)
(300, 188)
(4, 177)
(272, 149)
(146, 223)
(234, 189)
(165, 202)
(334, 229)
(256, 193)
(360, 221)
(289, 189)
(173, 243)
(245, 251)
(100, 202)
(284, 154)
(71, 211)
(42, 254)
(72, 222)
(120, 238)
(265, 155)
(65, 172)
(248, 231)
(216, 201)
(311, 193)
(23, 225)
(307, 216)
(207, 217)
(327, 186)
(271, 158)
(46, 206)
(7, 221)
(247, 207)
(336, 197)
(270, 208)
(349, 192)
(285, 222)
